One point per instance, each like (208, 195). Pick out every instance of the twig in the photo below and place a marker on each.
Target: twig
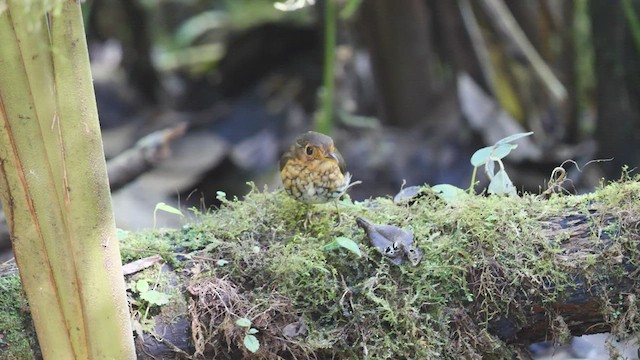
(145, 154)
(508, 27)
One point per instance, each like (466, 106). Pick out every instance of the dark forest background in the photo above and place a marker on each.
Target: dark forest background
(416, 87)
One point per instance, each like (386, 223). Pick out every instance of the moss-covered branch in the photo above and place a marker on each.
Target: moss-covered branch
(496, 273)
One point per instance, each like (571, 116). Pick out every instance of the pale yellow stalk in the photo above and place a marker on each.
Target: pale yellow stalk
(54, 185)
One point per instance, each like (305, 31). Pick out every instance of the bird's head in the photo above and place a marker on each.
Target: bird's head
(315, 146)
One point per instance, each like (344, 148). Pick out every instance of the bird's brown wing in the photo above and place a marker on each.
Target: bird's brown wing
(285, 157)
(341, 163)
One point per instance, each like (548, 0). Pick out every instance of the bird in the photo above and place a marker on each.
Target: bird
(313, 170)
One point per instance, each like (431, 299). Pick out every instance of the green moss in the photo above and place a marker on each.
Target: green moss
(16, 332)
(492, 252)
(484, 259)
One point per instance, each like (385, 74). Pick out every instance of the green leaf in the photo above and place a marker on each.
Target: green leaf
(142, 285)
(251, 343)
(155, 297)
(222, 262)
(343, 242)
(221, 196)
(501, 150)
(481, 156)
(211, 246)
(501, 184)
(168, 208)
(512, 138)
(243, 322)
(121, 234)
(449, 193)
(497, 151)
(253, 331)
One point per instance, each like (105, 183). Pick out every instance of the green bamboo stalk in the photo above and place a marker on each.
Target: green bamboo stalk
(54, 185)
(325, 121)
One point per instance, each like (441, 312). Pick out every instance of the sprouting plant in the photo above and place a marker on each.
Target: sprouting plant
(250, 340)
(166, 208)
(499, 182)
(148, 297)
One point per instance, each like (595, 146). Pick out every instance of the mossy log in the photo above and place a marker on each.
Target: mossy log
(497, 273)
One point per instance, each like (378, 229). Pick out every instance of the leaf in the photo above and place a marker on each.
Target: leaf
(501, 150)
(497, 151)
(407, 195)
(221, 196)
(168, 208)
(222, 262)
(121, 234)
(391, 241)
(155, 297)
(481, 156)
(243, 322)
(142, 285)
(211, 246)
(343, 242)
(449, 193)
(251, 343)
(514, 137)
(501, 184)
(253, 331)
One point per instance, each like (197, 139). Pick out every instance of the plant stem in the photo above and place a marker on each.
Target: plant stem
(324, 122)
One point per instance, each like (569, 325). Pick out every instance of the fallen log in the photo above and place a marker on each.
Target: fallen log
(496, 274)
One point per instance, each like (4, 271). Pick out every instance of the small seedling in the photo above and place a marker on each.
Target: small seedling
(345, 243)
(250, 341)
(166, 208)
(499, 184)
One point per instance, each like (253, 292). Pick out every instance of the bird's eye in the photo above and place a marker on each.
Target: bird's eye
(309, 150)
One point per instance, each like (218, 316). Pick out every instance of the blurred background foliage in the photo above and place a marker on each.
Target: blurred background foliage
(408, 89)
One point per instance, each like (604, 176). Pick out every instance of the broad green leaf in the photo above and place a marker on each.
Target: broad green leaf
(253, 331)
(514, 137)
(346, 243)
(251, 343)
(501, 150)
(449, 193)
(243, 322)
(497, 151)
(155, 297)
(142, 285)
(481, 156)
(168, 208)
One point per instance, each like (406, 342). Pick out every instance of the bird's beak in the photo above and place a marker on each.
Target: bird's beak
(332, 157)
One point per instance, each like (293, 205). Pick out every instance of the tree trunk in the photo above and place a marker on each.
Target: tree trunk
(617, 74)
(398, 37)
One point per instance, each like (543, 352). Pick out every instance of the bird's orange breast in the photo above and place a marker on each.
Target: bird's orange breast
(313, 181)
